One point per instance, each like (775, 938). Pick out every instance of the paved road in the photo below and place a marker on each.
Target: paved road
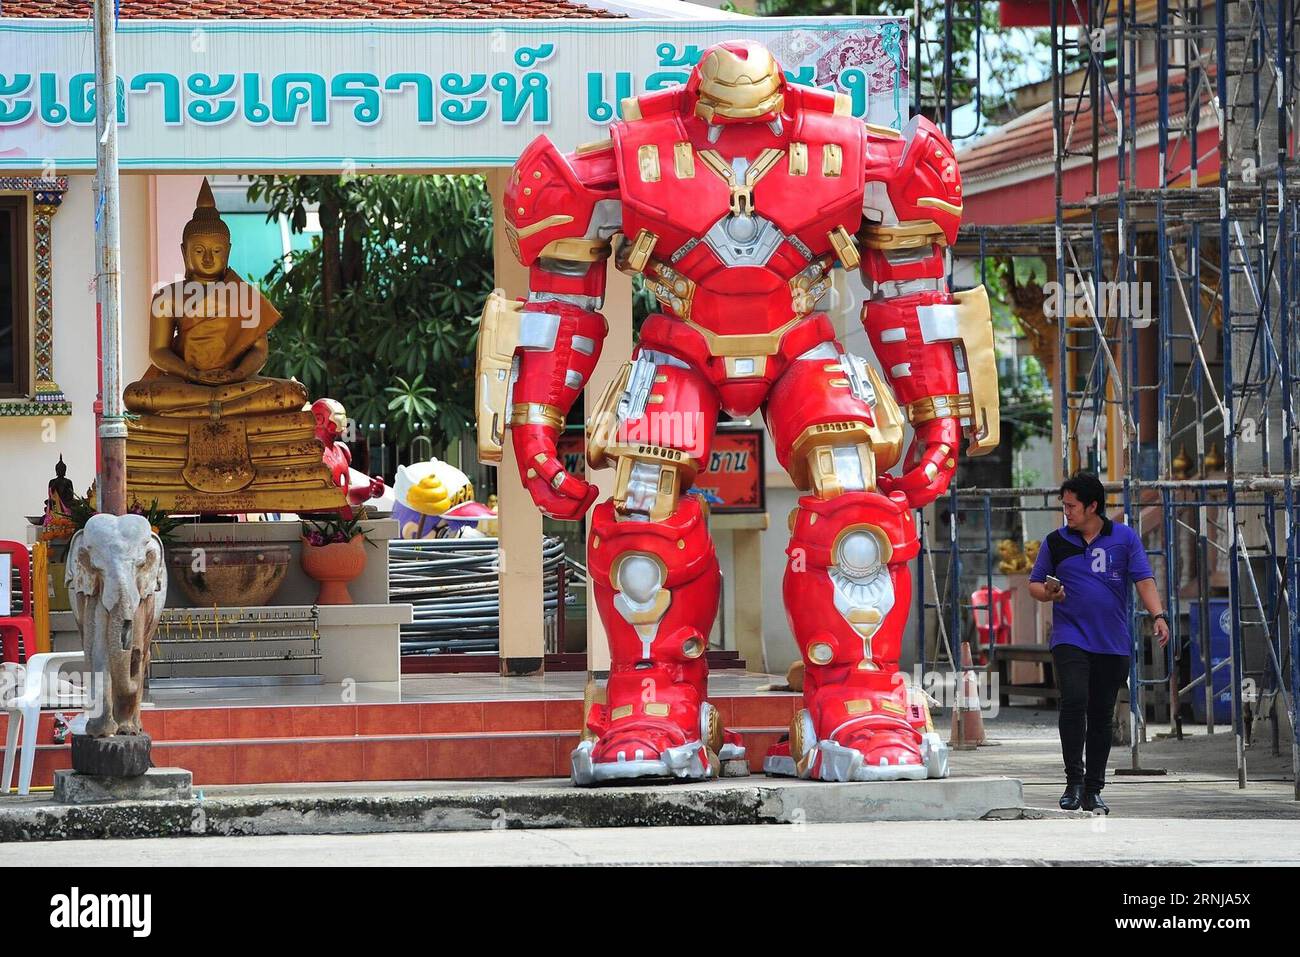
(1094, 841)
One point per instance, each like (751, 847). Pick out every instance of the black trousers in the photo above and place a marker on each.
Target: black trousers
(1089, 683)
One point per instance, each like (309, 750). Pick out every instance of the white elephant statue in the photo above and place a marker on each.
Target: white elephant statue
(117, 583)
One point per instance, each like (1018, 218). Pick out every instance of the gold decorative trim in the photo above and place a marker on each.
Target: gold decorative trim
(940, 407)
(684, 160)
(747, 344)
(936, 203)
(640, 252)
(595, 146)
(798, 159)
(656, 709)
(910, 235)
(534, 413)
(673, 290)
(843, 105)
(498, 337)
(647, 161)
(832, 159)
(975, 322)
(845, 247)
(559, 219)
(812, 463)
(742, 194)
(887, 432)
(577, 250)
(630, 107)
(886, 131)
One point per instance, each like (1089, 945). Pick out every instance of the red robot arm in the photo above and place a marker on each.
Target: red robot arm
(936, 348)
(560, 214)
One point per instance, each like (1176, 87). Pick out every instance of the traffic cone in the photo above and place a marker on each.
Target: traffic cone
(967, 719)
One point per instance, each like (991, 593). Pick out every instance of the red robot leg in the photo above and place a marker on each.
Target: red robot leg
(656, 587)
(847, 585)
(656, 582)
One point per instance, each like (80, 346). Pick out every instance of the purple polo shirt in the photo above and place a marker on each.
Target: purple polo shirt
(1096, 576)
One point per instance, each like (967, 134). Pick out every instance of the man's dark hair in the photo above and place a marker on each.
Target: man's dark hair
(1087, 488)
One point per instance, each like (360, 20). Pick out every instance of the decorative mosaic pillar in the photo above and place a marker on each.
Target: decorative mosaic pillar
(46, 197)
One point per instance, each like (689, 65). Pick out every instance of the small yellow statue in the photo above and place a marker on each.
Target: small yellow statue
(1013, 561)
(211, 434)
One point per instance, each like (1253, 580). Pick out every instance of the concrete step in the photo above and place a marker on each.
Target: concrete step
(326, 809)
(454, 740)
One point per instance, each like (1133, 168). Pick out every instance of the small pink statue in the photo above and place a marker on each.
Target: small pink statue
(331, 423)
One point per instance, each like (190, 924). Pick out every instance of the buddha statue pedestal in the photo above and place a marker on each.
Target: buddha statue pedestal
(208, 434)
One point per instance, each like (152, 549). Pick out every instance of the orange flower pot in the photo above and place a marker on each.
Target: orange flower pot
(333, 566)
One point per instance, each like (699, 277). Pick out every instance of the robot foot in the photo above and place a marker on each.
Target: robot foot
(858, 751)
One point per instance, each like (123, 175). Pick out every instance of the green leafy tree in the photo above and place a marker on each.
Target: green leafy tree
(381, 313)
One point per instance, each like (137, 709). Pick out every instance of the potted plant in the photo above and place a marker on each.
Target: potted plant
(333, 554)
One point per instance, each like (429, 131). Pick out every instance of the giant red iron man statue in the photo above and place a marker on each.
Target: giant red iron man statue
(734, 196)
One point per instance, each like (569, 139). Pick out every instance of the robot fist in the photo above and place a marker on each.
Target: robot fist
(930, 463)
(554, 491)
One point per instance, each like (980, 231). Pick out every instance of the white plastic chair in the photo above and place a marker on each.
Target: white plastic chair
(25, 710)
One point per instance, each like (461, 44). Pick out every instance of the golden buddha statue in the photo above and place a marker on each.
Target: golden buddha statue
(210, 434)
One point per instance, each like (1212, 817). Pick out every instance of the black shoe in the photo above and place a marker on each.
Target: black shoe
(1092, 802)
(1072, 799)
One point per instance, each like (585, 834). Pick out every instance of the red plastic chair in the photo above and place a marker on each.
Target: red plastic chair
(13, 627)
(994, 606)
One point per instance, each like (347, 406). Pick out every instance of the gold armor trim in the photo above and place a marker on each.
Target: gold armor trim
(577, 250)
(647, 160)
(812, 460)
(798, 159)
(742, 194)
(857, 706)
(808, 287)
(559, 219)
(975, 323)
(595, 146)
(886, 131)
(622, 711)
(640, 252)
(673, 290)
(934, 202)
(832, 159)
(676, 471)
(602, 425)
(656, 709)
(684, 160)
(630, 107)
(922, 232)
(534, 413)
(887, 433)
(498, 337)
(747, 344)
(845, 248)
(736, 88)
(940, 407)
(843, 105)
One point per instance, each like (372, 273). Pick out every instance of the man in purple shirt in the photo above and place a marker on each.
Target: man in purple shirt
(1085, 568)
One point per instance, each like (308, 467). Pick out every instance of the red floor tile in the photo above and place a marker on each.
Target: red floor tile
(154, 723)
(514, 715)
(198, 724)
(266, 763)
(259, 722)
(523, 758)
(394, 760)
(331, 761)
(377, 719)
(209, 764)
(325, 721)
(449, 717)
(459, 759)
(563, 754)
(564, 715)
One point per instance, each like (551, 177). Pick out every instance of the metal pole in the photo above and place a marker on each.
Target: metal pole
(108, 290)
